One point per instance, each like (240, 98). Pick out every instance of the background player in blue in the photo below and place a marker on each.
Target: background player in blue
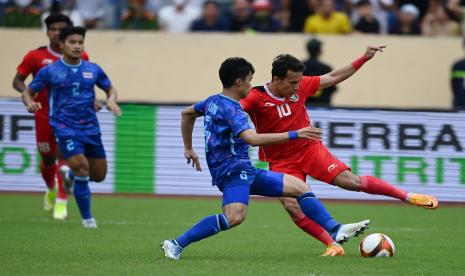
(71, 82)
(227, 139)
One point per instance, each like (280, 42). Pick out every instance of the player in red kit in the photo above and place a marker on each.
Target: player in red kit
(46, 143)
(279, 106)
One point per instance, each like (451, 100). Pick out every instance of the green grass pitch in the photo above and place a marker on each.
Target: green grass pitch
(268, 243)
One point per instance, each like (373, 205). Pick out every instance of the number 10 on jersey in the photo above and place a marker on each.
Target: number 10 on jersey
(284, 110)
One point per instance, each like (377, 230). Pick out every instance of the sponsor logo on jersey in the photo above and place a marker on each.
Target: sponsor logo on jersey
(269, 104)
(87, 75)
(47, 61)
(294, 98)
(331, 167)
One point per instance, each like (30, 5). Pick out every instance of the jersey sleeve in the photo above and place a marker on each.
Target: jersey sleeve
(238, 122)
(26, 66)
(309, 86)
(248, 103)
(40, 81)
(103, 82)
(199, 107)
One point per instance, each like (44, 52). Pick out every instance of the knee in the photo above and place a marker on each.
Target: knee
(235, 219)
(81, 169)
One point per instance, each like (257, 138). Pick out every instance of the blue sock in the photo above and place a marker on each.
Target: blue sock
(314, 210)
(205, 228)
(82, 195)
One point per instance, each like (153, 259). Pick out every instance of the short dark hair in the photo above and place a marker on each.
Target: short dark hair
(57, 17)
(234, 68)
(283, 63)
(70, 31)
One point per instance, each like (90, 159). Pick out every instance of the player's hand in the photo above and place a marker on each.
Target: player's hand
(371, 51)
(310, 133)
(33, 107)
(114, 108)
(97, 106)
(191, 156)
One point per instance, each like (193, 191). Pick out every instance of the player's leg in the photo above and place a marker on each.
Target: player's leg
(73, 151)
(48, 159)
(98, 169)
(273, 184)
(60, 210)
(372, 185)
(293, 209)
(235, 201)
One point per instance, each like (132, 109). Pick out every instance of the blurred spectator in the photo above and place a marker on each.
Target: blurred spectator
(66, 7)
(299, 10)
(366, 23)
(211, 20)
(407, 21)
(23, 13)
(458, 82)
(438, 23)
(421, 5)
(136, 17)
(327, 20)
(381, 10)
(92, 13)
(241, 15)
(262, 20)
(177, 17)
(314, 67)
(457, 10)
(154, 6)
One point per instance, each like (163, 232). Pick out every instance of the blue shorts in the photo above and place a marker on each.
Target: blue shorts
(91, 146)
(238, 187)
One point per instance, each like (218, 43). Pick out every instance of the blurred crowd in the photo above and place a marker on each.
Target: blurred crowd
(399, 17)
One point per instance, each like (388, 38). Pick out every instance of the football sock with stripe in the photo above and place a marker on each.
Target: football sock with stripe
(205, 228)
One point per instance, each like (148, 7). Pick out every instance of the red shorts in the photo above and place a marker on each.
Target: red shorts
(316, 161)
(45, 139)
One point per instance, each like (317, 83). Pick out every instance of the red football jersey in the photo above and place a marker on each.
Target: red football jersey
(34, 60)
(271, 114)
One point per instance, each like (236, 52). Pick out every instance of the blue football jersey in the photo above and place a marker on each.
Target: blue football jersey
(71, 96)
(224, 120)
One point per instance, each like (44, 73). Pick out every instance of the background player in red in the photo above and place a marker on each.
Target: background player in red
(32, 62)
(279, 106)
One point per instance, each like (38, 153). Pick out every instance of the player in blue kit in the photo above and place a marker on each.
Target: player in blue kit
(227, 139)
(71, 82)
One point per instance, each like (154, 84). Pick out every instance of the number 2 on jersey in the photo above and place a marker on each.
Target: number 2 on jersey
(76, 88)
(284, 110)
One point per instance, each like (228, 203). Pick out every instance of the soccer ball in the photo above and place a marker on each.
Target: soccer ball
(376, 245)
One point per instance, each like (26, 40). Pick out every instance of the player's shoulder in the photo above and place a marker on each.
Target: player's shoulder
(258, 89)
(36, 52)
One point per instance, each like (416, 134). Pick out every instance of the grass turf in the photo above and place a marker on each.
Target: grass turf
(130, 230)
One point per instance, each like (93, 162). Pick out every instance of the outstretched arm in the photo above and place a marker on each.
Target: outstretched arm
(187, 126)
(265, 139)
(338, 75)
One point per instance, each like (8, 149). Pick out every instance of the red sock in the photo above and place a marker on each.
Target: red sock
(373, 185)
(48, 174)
(313, 228)
(61, 192)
